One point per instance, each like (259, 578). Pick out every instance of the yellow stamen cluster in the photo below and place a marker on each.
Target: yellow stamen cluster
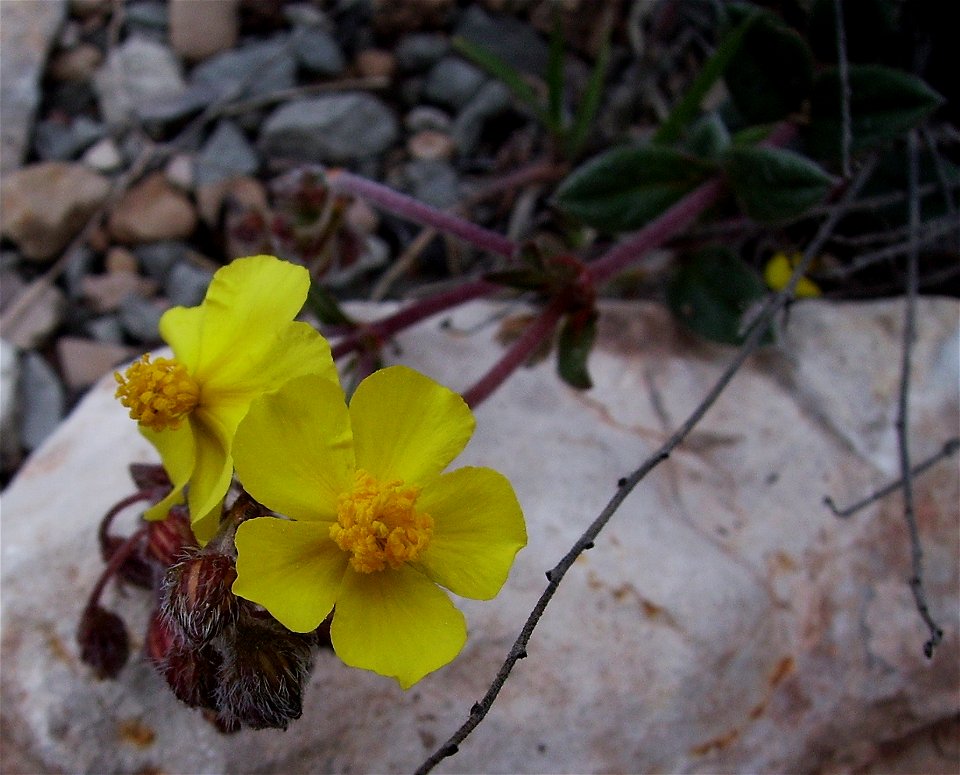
(378, 524)
(159, 394)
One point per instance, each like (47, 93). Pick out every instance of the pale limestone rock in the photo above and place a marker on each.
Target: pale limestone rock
(725, 621)
(43, 206)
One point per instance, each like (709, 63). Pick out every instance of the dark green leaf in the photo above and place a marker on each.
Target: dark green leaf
(884, 103)
(708, 138)
(771, 72)
(573, 349)
(753, 135)
(510, 76)
(323, 304)
(712, 292)
(773, 185)
(587, 109)
(625, 188)
(687, 108)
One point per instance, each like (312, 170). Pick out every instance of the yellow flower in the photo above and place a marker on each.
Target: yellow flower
(375, 525)
(238, 344)
(779, 270)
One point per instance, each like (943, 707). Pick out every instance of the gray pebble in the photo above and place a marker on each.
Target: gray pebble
(452, 82)
(431, 181)
(250, 70)
(186, 284)
(418, 51)
(54, 141)
(158, 258)
(140, 318)
(138, 74)
(334, 129)
(510, 39)
(41, 400)
(424, 117)
(316, 51)
(147, 18)
(226, 154)
(492, 99)
(105, 328)
(9, 420)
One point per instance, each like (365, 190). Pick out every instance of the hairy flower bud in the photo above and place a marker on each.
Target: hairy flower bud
(103, 640)
(196, 596)
(169, 539)
(262, 676)
(190, 672)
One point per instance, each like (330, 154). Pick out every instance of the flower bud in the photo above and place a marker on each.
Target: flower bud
(147, 476)
(191, 673)
(168, 539)
(103, 640)
(196, 596)
(262, 676)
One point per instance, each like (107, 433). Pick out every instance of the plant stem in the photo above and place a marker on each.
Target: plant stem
(346, 182)
(532, 337)
(413, 313)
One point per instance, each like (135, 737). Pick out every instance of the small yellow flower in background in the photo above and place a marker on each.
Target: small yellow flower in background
(238, 344)
(375, 525)
(780, 268)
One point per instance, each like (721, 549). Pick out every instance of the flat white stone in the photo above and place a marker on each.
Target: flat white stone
(724, 621)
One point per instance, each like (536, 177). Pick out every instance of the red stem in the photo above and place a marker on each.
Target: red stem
(517, 355)
(673, 220)
(401, 204)
(116, 560)
(413, 313)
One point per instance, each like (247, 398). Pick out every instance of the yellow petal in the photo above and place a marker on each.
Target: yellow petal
(212, 472)
(292, 569)
(180, 328)
(297, 349)
(478, 530)
(294, 450)
(396, 623)
(177, 453)
(247, 304)
(406, 426)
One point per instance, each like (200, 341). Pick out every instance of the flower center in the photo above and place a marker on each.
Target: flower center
(378, 524)
(158, 394)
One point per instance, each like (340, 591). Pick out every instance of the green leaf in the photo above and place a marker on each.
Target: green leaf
(774, 185)
(625, 188)
(712, 292)
(573, 349)
(510, 76)
(590, 103)
(708, 137)
(771, 72)
(323, 304)
(688, 107)
(884, 103)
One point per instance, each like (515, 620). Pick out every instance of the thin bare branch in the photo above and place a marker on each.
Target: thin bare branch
(753, 337)
(949, 449)
(903, 420)
(846, 130)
